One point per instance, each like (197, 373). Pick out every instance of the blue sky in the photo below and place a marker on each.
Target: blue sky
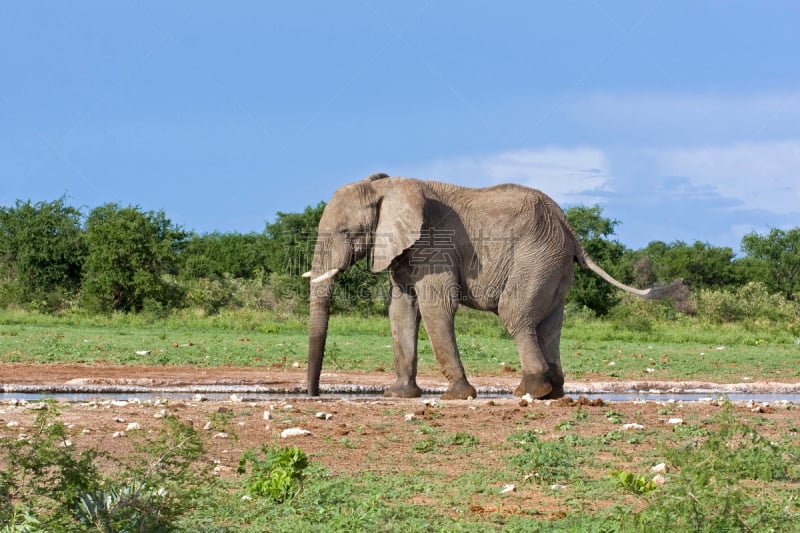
(681, 119)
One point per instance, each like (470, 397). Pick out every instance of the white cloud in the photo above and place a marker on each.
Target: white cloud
(763, 176)
(569, 175)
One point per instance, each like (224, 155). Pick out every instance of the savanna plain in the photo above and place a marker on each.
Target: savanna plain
(294, 463)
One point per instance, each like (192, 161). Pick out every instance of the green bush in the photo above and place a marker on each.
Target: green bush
(277, 474)
(750, 302)
(712, 489)
(49, 486)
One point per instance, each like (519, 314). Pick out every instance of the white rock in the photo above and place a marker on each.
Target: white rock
(119, 403)
(675, 421)
(207, 426)
(160, 414)
(12, 424)
(221, 435)
(199, 398)
(508, 488)
(324, 416)
(119, 419)
(294, 432)
(409, 417)
(660, 468)
(65, 444)
(527, 397)
(37, 406)
(134, 426)
(632, 425)
(142, 352)
(556, 486)
(296, 364)
(235, 398)
(118, 434)
(267, 415)
(659, 480)
(86, 431)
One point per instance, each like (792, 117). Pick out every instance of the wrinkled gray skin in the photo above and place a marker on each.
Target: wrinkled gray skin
(506, 249)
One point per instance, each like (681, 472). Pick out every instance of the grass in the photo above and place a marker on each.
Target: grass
(680, 349)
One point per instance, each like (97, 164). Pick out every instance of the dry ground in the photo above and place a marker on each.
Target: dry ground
(379, 435)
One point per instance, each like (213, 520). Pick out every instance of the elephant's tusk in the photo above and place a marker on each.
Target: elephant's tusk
(327, 275)
(307, 274)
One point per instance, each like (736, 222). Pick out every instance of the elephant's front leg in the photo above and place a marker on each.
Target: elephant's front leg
(404, 319)
(438, 317)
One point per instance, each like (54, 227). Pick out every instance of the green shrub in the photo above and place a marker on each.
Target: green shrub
(49, 486)
(278, 475)
(750, 302)
(713, 488)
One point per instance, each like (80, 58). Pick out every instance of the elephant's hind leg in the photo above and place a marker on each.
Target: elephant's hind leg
(549, 335)
(522, 307)
(535, 370)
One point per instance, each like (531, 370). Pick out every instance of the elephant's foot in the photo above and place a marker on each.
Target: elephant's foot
(537, 386)
(403, 390)
(460, 390)
(557, 382)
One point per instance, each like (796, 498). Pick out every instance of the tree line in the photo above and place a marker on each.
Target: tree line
(115, 258)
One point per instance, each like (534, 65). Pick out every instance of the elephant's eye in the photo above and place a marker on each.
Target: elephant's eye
(343, 231)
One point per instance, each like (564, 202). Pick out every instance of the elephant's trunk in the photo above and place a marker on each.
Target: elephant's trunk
(318, 332)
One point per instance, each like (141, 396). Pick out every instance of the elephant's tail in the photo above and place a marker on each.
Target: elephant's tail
(675, 289)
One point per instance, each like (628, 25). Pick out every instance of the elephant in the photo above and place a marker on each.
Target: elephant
(507, 249)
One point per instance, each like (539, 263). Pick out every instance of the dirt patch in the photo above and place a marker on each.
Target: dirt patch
(445, 439)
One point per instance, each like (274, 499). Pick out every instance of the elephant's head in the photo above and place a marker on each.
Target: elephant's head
(376, 216)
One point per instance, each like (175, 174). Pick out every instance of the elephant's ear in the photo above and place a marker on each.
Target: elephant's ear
(399, 220)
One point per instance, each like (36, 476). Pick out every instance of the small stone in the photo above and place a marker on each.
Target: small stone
(557, 486)
(65, 444)
(659, 480)
(296, 364)
(134, 426)
(160, 414)
(221, 435)
(119, 419)
(294, 432)
(235, 398)
(633, 425)
(207, 426)
(118, 434)
(142, 352)
(675, 421)
(409, 417)
(660, 468)
(267, 415)
(119, 403)
(199, 398)
(508, 488)
(12, 424)
(324, 416)
(221, 468)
